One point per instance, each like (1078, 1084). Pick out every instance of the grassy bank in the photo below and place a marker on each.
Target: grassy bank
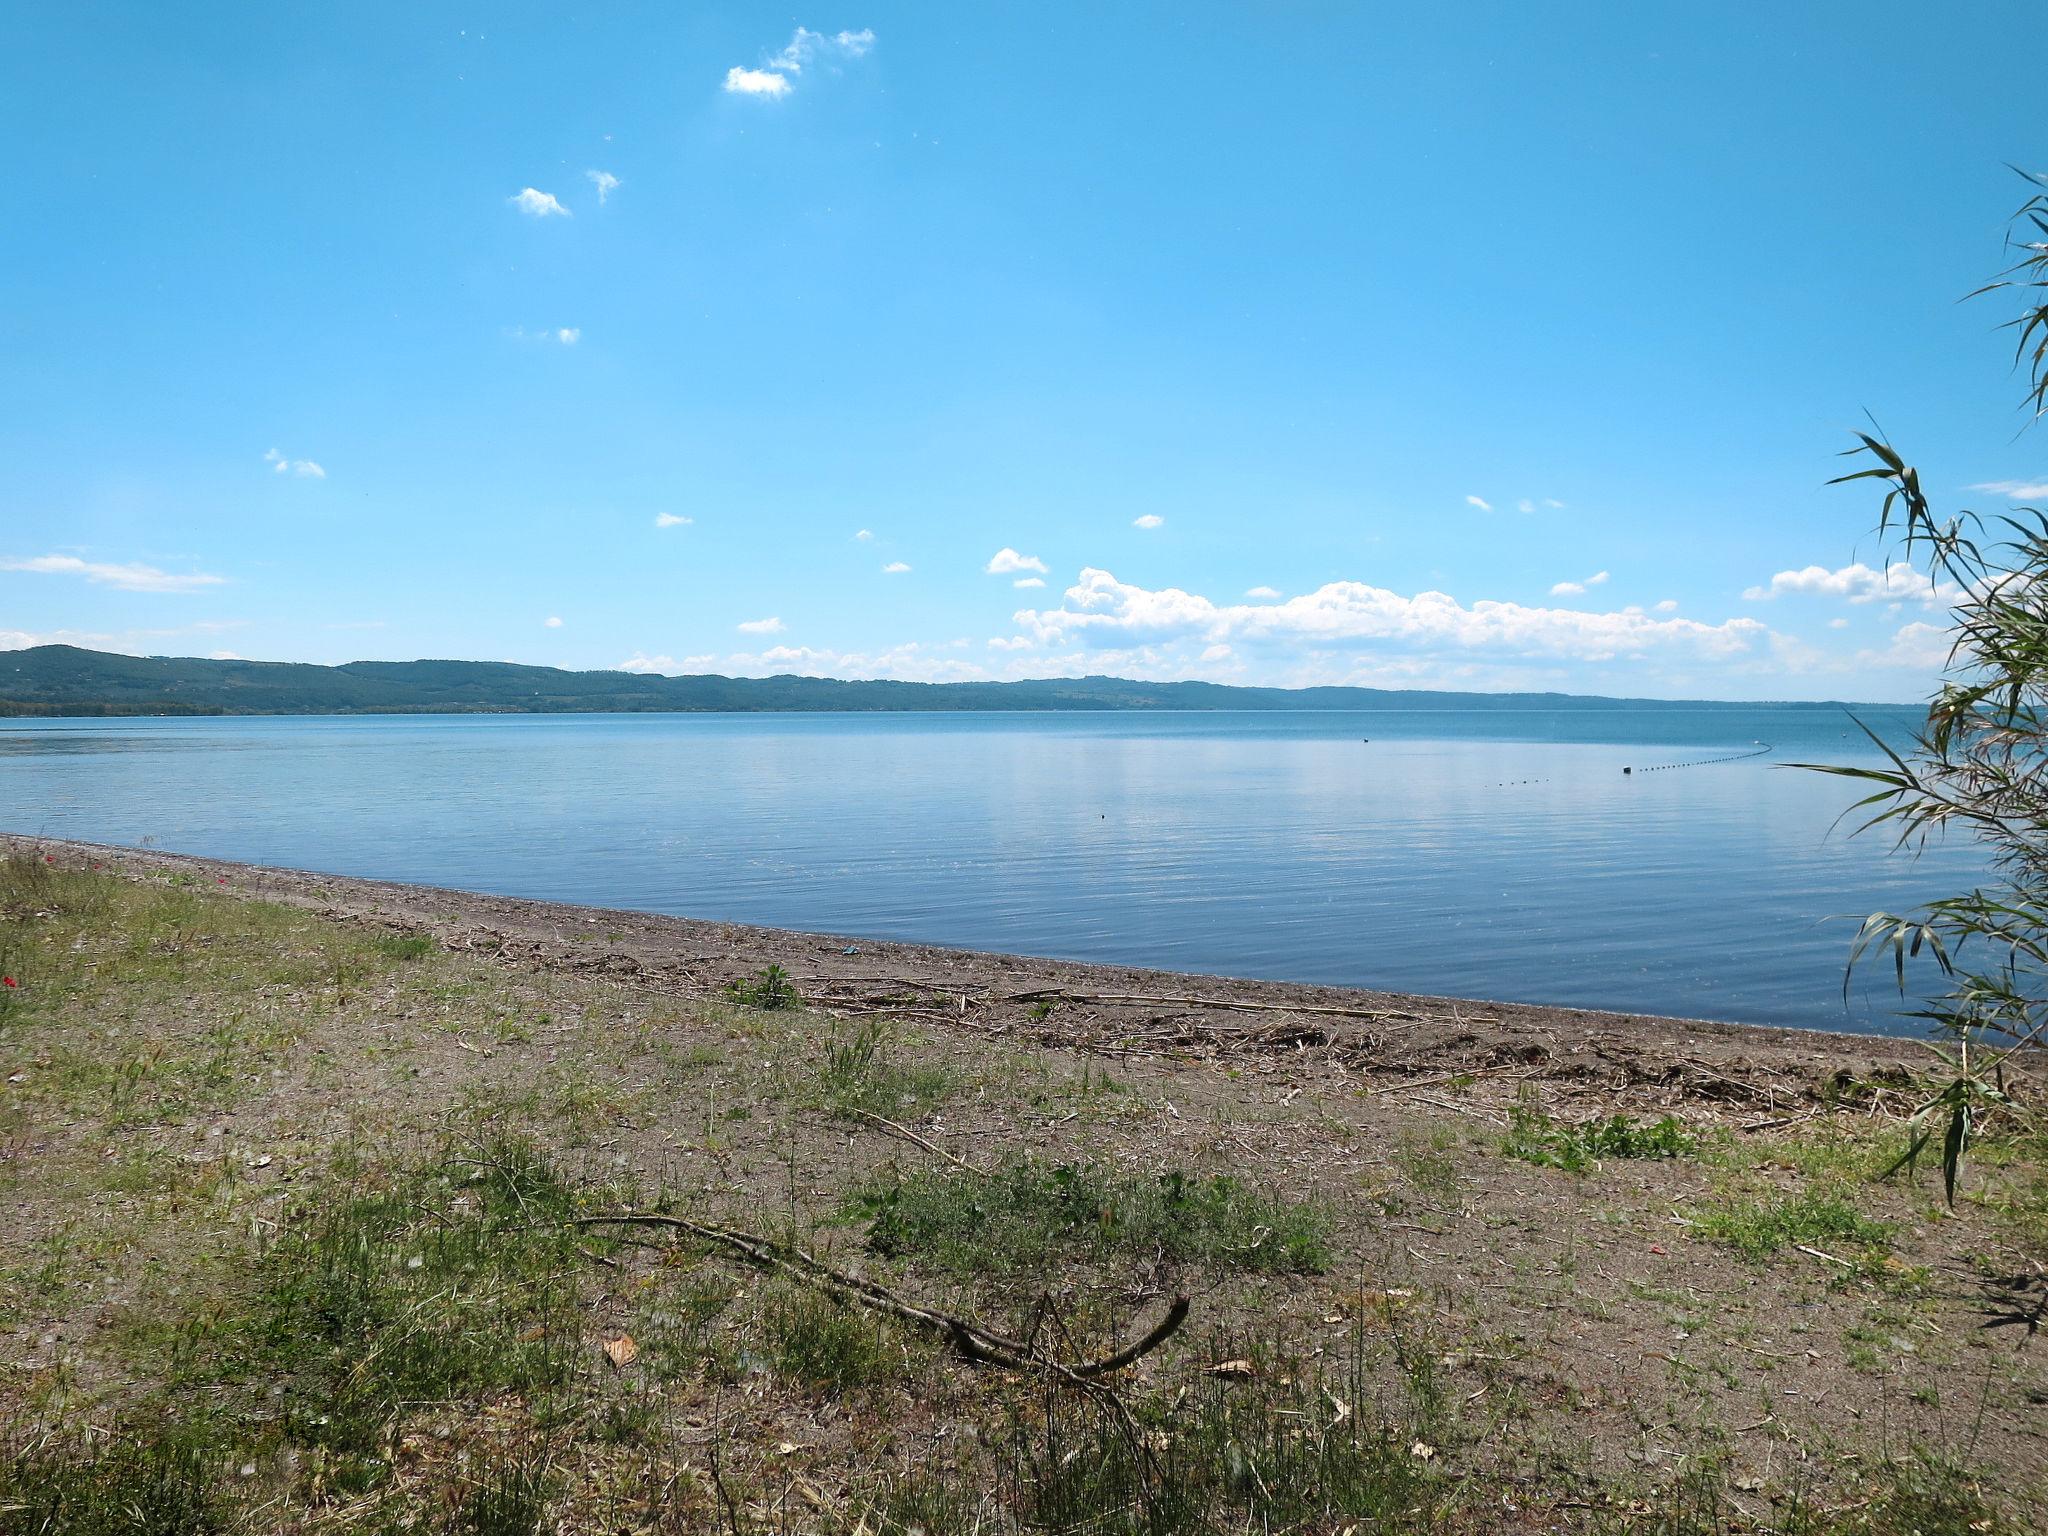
(307, 1228)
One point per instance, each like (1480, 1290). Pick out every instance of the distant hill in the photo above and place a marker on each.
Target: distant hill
(65, 680)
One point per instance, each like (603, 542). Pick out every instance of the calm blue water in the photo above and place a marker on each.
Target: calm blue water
(1474, 854)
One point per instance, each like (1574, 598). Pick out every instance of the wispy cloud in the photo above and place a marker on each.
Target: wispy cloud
(605, 182)
(768, 626)
(2018, 490)
(305, 469)
(1028, 581)
(776, 77)
(552, 622)
(130, 577)
(537, 204)
(548, 335)
(672, 520)
(866, 535)
(895, 568)
(1263, 592)
(1578, 588)
(1149, 520)
(1005, 561)
(1480, 502)
(1857, 583)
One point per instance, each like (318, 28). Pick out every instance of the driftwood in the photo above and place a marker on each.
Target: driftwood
(972, 1341)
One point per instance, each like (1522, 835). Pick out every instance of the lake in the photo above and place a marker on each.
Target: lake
(1482, 854)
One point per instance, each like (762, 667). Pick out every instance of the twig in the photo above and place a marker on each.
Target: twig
(909, 1135)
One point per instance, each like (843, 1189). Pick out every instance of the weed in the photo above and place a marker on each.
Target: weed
(509, 1498)
(857, 1074)
(971, 1224)
(1534, 1137)
(772, 991)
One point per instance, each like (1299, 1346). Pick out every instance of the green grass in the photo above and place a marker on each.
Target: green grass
(826, 1346)
(153, 1480)
(1022, 1212)
(1758, 1228)
(456, 1282)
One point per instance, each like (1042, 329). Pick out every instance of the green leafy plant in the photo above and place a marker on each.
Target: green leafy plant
(771, 990)
(1979, 764)
(1534, 1137)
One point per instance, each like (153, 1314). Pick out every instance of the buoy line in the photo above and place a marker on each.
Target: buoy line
(1763, 749)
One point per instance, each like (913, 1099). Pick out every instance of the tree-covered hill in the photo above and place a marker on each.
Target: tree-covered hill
(66, 680)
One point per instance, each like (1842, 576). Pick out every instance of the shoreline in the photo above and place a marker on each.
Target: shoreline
(1110, 1009)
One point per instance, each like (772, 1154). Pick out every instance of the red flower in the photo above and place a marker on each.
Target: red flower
(49, 858)
(8, 981)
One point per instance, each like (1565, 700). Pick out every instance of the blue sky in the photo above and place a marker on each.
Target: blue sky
(726, 338)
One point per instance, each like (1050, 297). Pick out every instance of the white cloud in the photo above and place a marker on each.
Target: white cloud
(1555, 506)
(1918, 645)
(894, 568)
(1263, 592)
(1009, 643)
(672, 520)
(1525, 505)
(537, 204)
(1857, 583)
(775, 78)
(1028, 581)
(605, 182)
(639, 661)
(1838, 623)
(756, 82)
(569, 335)
(130, 577)
(768, 626)
(1006, 560)
(1669, 605)
(305, 469)
(1100, 610)
(553, 622)
(1480, 502)
(1149, 520)
(865, 536)
(2018, 490)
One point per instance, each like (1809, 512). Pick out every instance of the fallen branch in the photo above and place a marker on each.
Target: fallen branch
(973, 1342)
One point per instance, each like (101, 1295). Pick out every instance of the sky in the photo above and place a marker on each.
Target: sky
(1488, 346)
